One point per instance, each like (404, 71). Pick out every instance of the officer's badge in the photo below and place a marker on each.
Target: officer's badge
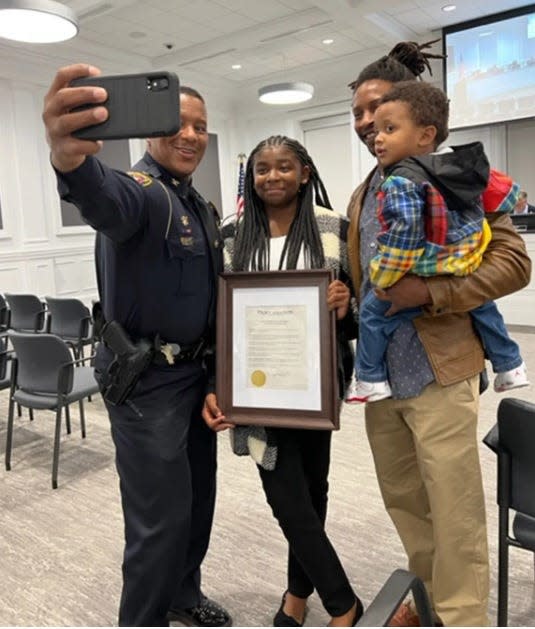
(142, 178)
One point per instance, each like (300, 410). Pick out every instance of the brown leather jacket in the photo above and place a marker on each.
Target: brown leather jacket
(445, 329)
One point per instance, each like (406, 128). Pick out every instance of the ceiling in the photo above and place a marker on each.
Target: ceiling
(272, 40)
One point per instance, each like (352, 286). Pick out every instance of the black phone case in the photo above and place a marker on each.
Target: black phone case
(136, 110)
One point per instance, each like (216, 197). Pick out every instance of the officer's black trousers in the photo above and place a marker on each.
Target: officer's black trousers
(297, 491)
(166, 460)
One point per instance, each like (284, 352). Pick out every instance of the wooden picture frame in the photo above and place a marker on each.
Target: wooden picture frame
(276, 350)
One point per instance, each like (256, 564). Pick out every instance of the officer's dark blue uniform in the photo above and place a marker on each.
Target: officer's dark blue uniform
(158, 253)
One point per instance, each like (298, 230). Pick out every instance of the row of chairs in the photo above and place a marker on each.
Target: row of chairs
(45, 368)
(67, 318)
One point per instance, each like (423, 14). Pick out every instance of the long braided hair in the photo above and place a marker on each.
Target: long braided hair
(405, 62)
(251, 248)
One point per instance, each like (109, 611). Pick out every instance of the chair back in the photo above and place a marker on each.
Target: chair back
(27, 312)
(40, 358)
(68, 317)
(516, 429)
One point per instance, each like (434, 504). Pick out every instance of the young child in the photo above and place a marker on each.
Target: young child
(432, 207)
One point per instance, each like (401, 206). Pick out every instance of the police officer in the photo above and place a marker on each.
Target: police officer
(157, 255)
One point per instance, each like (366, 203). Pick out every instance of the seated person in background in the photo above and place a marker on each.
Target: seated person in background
(522, 206)
(281, 228)
(431, 206)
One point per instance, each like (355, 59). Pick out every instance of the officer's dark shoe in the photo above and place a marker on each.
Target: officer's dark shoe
(207, 613)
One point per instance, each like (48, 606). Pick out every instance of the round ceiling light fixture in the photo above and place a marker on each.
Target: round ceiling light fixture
(286, 93)
(37, 21)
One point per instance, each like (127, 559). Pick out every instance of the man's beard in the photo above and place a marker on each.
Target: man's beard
(368, 139)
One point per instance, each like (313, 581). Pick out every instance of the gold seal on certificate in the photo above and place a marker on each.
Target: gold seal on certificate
(258, 378)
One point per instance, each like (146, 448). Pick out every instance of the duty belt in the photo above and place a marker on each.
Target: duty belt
(171, 353)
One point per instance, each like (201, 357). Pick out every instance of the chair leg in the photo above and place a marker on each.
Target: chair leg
(19, 410)
(82, 418)
(503, 567)
(9, 436)
(82, 355)
(55, 457)
(30, 413)
(68, 419)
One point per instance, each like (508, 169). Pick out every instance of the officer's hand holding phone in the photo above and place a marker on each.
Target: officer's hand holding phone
(67, 151)
(133, 106)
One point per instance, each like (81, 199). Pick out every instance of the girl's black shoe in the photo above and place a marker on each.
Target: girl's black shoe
(359, 611)
(283, 620)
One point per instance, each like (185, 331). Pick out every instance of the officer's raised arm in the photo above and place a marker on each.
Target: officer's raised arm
(67, 152)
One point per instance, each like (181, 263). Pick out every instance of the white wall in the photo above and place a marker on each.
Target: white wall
(36, 253)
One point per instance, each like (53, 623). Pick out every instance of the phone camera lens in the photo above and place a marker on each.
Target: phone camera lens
(158, 84)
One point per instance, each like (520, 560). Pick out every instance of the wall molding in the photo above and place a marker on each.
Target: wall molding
(47, 253)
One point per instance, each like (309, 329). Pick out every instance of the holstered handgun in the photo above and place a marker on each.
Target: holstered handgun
(130, 361)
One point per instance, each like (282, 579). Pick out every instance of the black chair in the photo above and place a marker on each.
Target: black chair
(383, 607)
(70, 319)
(512, 438)
(27, 312)
(44, 376)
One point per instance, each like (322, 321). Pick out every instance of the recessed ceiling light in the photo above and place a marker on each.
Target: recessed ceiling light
(449, 7)
(328, 41)
(286, 93)
(37, 22)
(236, 66)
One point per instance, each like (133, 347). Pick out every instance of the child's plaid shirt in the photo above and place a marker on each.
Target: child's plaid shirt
(421, 235)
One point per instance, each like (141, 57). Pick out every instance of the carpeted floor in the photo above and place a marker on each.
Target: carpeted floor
(60, 551)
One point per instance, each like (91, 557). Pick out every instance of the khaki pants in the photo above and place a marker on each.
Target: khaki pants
(427, 463)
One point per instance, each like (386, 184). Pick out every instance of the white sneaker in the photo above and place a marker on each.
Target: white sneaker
(512, 379)
(360, 391)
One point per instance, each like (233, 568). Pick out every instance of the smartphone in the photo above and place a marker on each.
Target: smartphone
(139, 105)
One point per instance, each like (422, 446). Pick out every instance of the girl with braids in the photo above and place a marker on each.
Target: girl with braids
(424, 438)
(281, 228)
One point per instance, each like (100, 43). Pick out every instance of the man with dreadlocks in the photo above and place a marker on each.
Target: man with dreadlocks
(424, 439)
(281, 229)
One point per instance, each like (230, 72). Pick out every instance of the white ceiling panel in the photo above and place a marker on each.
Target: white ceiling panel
(271, 39)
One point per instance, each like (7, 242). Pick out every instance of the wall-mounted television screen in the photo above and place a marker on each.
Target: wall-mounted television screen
(489, 70)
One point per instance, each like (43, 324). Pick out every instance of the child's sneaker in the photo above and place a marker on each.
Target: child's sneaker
(512, 379)
(360, 391)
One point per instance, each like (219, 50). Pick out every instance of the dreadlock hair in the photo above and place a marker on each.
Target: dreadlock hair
(251, 251)
(428, 105)
(405, 62)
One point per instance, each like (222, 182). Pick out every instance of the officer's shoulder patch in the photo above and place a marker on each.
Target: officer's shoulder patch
(142, 178)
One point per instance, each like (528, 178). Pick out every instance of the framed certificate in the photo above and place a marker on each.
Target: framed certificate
(276, 350)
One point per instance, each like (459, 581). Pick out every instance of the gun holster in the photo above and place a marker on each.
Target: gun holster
(130, 361)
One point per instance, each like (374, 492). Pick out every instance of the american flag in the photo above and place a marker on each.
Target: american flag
(241, 184)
